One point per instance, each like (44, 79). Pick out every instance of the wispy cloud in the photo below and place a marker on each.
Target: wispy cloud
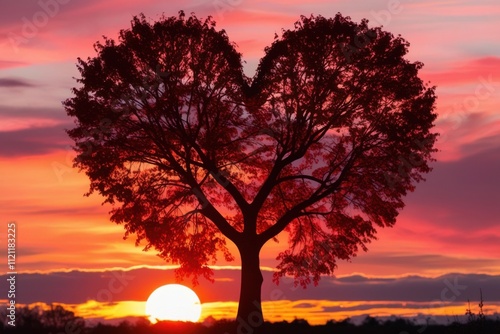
(469, 71)
(142, 281)
(118, 293)
(33, 141)
(14, 82)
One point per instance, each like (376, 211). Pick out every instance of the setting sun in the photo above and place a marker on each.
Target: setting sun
(173, 302)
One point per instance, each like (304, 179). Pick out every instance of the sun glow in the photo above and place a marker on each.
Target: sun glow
(173, 302)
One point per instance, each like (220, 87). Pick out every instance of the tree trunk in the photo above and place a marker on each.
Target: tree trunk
(250, 319)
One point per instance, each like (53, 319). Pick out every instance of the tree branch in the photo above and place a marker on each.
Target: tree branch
(298, 209)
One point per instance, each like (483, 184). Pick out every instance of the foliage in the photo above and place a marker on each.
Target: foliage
(323, 142)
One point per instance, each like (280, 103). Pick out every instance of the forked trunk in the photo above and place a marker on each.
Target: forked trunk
(249, 319)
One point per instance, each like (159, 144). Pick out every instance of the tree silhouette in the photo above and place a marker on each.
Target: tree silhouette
(58, 319)
(36, 319)
(323, 142)
(29, 318)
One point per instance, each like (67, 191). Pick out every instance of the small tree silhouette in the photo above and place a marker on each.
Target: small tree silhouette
(476, 321)
(322, 143)
(57, 318)
(29, 318)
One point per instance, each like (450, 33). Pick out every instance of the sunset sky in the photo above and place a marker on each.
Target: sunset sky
(444, 247)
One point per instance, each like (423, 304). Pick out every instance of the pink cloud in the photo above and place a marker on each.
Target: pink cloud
(16, 124)
(454, 210)
(4, 64)
(467, 106)
(464, 9)
(483, 71)
(463, 134)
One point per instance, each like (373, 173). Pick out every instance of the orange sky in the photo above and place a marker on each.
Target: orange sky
(450, 224)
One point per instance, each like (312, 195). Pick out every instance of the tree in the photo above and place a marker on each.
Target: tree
(58, 319)
(26, 318)
(322, 143)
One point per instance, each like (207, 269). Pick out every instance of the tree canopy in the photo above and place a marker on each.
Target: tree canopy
(323, 142)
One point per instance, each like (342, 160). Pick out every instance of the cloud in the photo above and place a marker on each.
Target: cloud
(462, 195)
(77, 287)
(14, 82)
(56, 114)
(425, 263)
(454, 213)
(16, 118)
(470, 71)
(465, 133)
(34, 141)
(456, 287)
(467, 107)
(8, 64)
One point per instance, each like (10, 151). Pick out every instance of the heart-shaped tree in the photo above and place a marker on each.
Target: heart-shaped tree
(322, 143)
